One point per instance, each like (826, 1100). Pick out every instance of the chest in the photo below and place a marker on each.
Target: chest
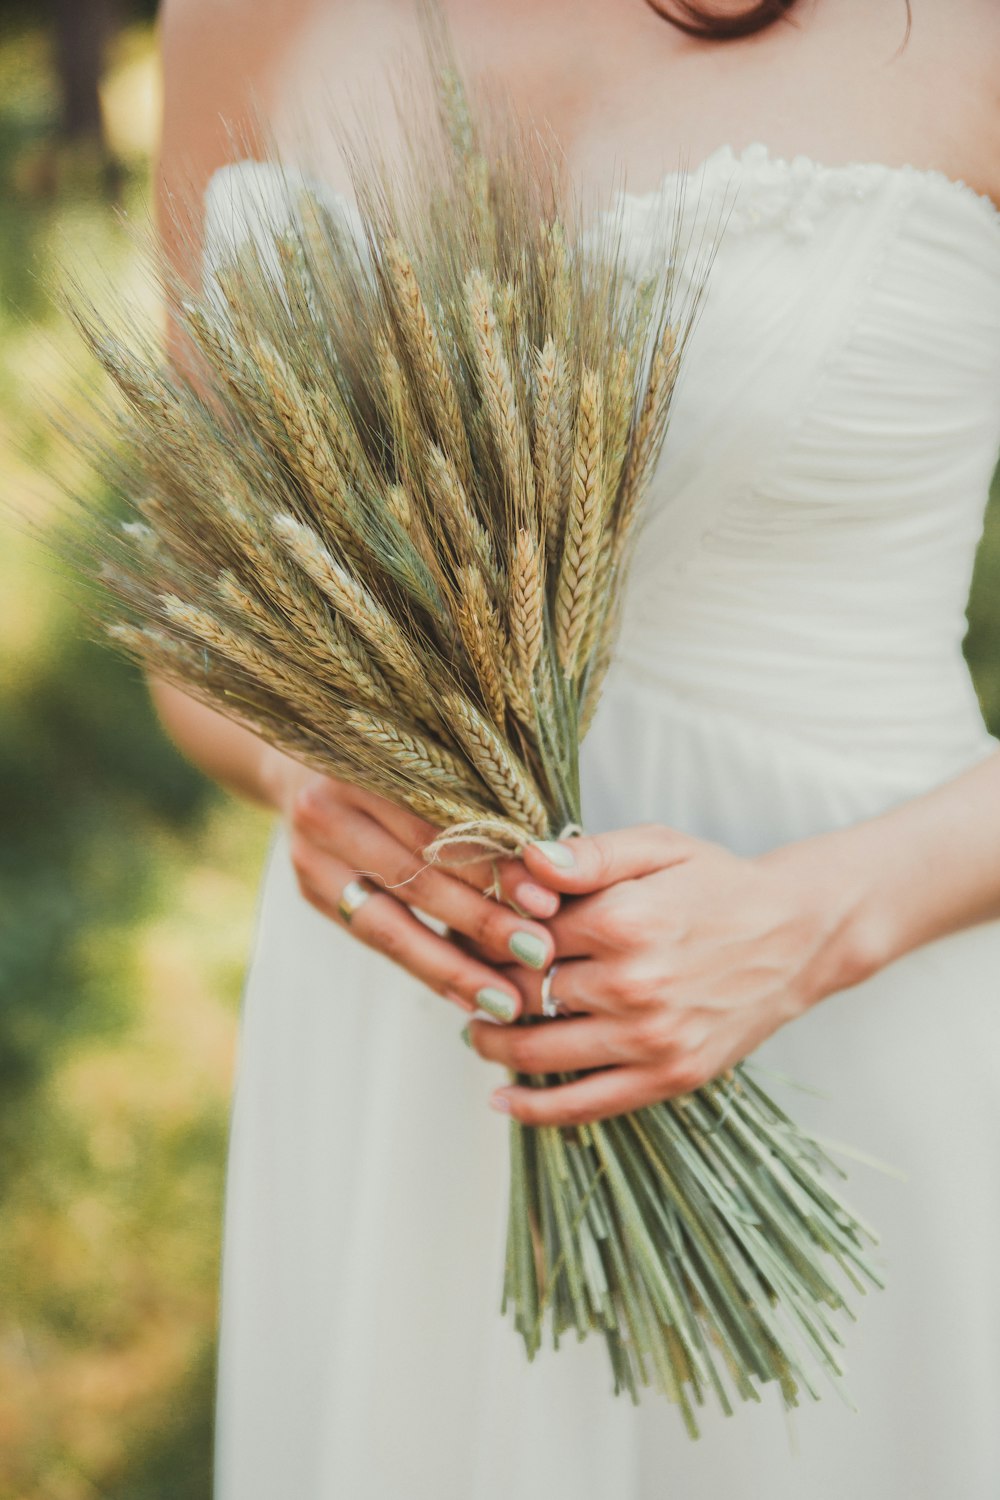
(620, 88)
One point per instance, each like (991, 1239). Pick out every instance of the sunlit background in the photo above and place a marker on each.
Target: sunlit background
(126, 883)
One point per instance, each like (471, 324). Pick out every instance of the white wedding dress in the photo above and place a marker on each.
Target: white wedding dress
(791, 662)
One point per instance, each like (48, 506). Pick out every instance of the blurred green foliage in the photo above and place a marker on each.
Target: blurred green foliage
(126, 891)
(982, 644)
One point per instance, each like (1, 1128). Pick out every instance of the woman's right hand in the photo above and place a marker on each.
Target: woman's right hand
(339, 833)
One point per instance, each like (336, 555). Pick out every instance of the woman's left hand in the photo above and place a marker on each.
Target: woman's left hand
(675, 959)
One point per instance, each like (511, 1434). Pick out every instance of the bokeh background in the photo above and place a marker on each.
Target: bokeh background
(126, 882)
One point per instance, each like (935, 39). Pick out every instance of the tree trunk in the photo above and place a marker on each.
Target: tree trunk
(81, 32)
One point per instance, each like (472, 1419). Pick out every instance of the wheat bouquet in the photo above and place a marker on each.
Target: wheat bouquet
(384, 520)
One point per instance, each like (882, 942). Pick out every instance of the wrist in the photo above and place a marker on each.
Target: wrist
(279, 778)
(834, 883)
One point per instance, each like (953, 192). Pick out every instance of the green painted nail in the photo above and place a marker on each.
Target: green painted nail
(497, 1003)
(529, 948)
(466, 1038)
(556, 854)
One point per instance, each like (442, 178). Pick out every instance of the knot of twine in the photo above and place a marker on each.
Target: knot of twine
(490, 838)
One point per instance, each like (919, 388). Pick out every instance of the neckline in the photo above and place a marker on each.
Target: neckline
(759, 154)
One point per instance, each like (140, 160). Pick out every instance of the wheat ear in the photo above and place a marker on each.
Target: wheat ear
(557, 279)
(527, 603)
(424, 348)
(300, 604)
(479, 628)
(157, 649)
(453, 506)
(414, 754)
(363, 612)
(408, 437)
(498, 392)
(618, 419)
(310, 452)
(583, 528)
(552, 425)
(648, 432)
(618, 422)
(275, 674)
(343, 660)
(504, 776)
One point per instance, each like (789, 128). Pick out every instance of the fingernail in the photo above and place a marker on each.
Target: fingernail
(556, 854)
(536, 899)
(496, 1003)
(466, 1038)
(501, 1103)
(529, 948)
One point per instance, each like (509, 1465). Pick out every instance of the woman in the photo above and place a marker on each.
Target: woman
(793, 803)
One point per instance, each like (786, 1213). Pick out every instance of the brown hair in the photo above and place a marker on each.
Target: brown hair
(696, 20)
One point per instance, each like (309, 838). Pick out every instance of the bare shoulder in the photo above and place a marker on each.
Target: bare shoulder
(218, 59)
(955, 46)
(982, 20)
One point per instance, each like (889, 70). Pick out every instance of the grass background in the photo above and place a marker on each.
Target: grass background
(126, 899)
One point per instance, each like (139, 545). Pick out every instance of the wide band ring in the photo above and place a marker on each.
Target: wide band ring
(353, 897)
(550, 1005)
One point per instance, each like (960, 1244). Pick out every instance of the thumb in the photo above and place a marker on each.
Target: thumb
(590, 863)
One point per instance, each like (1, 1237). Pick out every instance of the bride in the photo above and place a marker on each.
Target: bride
(792, 802)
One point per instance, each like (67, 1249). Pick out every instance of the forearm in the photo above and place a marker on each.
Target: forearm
(226, 752)
(925, 868)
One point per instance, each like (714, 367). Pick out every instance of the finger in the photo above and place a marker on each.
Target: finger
(580, 986)
(513, 884)
(494, 927)
(577, 865)
(598, 1096)
(564, 1046)
(498, 932)
(507, 878)
(385, 924)
(582, 929)
(412, 831)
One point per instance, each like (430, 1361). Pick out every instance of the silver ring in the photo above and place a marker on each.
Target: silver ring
(550, 1005)
(352, 898)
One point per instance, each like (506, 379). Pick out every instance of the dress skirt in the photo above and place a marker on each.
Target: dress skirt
(363, 1354)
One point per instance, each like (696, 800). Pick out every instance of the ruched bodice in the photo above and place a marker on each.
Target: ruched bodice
(813, 523)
